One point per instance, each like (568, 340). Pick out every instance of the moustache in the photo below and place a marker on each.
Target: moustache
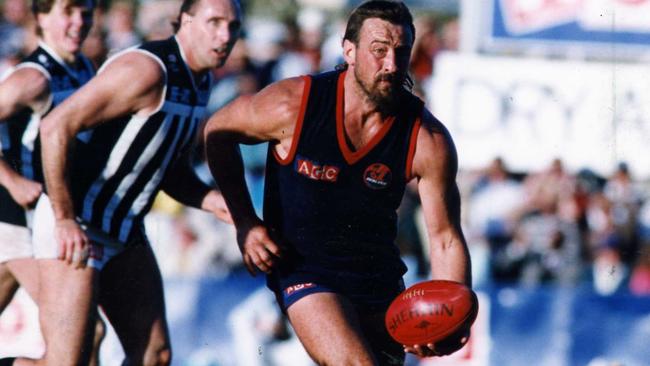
(392, 78)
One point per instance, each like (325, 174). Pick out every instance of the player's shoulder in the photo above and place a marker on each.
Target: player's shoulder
(33, 83)
(284, 95)
(291, 86)
(135, 65)
(432, 128)
(434, 143)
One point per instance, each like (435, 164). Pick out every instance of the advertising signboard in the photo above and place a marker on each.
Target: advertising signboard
(599, 28)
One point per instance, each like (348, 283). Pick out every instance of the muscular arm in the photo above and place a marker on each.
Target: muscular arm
(270, 115)
(131, 84)
(24, 88)
(182, 184)
(435, 166)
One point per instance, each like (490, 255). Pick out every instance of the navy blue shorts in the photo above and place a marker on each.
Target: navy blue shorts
(362, 293)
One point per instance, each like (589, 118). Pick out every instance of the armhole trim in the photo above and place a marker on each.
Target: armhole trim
(154, 57)
(412, 145)
(299, 122)
(41, 109)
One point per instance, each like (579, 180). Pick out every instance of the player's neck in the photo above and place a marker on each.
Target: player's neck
(358, 106)
(362, 118)
(188, 57)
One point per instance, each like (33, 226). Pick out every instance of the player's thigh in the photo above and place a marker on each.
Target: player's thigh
(66, 302)
(329, 329)
(384, 347)
(25, 270)
(132, 299)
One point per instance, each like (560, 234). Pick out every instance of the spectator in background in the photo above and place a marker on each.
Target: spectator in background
(494, 203)
(15, 32)
(551, 192)
(625, 201)
(425, 48)
(302, 45)
(95, 47)
(331, 48)
(155, 19)
(121, 26)
(450, 35)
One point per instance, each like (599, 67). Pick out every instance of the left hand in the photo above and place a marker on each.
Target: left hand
(445, 347)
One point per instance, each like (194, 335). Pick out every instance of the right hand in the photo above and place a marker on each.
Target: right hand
(74, 245)
(258, 250)
(24, 191)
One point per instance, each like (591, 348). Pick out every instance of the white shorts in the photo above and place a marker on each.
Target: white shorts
(15, 242)
(102, 247)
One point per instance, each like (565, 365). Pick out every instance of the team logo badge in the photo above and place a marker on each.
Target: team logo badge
(377, 176)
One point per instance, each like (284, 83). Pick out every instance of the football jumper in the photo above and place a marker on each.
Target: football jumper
(118, 168)
(19, 140)
(335, 208)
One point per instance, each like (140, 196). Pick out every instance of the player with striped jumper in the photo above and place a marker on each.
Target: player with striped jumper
(138, 118)
(28, 92)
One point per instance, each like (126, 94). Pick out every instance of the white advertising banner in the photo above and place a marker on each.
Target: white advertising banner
(529, 111)
(618, 15)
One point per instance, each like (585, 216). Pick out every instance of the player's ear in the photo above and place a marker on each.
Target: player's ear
(349, 52)
(186, 18)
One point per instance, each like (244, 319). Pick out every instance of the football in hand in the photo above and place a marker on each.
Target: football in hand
(430, 311)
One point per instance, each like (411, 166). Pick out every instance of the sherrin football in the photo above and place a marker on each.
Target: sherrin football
(429, 311)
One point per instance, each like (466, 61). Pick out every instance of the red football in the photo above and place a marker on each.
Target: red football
(429, 311)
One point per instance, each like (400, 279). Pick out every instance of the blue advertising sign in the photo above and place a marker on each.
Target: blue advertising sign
(588, 24)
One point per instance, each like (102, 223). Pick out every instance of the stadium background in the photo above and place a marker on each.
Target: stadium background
(548, 102)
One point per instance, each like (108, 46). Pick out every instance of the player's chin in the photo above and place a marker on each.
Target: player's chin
(74, 45)
(216, 62)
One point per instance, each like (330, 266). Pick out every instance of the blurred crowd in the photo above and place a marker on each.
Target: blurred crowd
(531, 228)
(559, 227)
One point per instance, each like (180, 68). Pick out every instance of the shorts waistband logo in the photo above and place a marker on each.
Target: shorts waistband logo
(291, 289)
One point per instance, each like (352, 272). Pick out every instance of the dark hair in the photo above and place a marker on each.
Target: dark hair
(186, 7)
(395, 12)
(45, 6)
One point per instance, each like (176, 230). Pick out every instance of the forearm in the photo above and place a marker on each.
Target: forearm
(7, 174)
(227, 167)
(55, 146)
(450, 259)
(183, 185)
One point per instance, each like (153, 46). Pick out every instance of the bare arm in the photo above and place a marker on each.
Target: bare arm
(435, 165)
(24, 191)
(24, 88)
(182, 184)
(131, 84)
(269, 115)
